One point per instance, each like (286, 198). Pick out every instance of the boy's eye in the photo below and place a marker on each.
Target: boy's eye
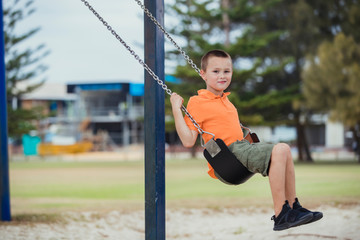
(215, 71)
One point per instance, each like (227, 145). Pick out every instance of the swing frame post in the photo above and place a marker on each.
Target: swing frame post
(5, 213)
(154, 126)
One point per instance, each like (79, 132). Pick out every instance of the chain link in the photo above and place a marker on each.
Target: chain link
(132, 52)
(145, 66)
(153, 19)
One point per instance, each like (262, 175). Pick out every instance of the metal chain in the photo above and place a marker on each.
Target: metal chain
(146, 67)
(153, 19)
(132, 52)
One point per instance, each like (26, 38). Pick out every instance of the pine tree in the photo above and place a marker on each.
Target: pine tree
(223, 24)
(22, 66)
(332, 82)
(305, 24)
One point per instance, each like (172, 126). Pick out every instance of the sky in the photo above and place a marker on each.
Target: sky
(82, 49)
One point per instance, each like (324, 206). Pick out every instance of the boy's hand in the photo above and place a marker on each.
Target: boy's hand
(187, 136)
(176, 101)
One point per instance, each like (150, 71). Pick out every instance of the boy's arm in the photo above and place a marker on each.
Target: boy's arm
(187, 136)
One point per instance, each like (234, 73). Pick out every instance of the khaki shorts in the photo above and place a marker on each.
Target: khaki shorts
(254, 156)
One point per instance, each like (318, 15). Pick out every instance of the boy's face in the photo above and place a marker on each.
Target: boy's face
(217, 74)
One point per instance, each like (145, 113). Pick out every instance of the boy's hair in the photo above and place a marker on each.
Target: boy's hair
(213, 53)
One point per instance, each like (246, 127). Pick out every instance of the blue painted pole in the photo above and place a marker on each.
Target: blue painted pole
(5, 214)
(154, 126)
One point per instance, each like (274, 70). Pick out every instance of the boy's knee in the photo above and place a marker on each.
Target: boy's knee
(282, 148)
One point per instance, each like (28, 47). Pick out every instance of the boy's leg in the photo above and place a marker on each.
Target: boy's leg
(282, 176)
(290, 187)
(282, 184)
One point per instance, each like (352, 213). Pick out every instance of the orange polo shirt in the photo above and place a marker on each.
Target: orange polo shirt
(216, 115)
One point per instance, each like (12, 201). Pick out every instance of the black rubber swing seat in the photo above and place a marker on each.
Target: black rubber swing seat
(227, 165)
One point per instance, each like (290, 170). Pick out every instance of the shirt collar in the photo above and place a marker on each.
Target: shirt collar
(209, 95)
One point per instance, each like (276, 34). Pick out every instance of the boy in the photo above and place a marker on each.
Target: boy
(216, 114)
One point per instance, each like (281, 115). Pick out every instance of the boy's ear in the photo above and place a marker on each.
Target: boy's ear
(202, 73)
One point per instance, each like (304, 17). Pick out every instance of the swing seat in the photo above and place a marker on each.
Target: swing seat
(227, 165)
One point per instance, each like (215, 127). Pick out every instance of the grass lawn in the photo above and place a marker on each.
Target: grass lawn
(55, 186)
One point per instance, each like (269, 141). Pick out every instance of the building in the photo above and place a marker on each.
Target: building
(107, 112)
(320, 131)
(116, 107)
(111, 114)
(53, 98)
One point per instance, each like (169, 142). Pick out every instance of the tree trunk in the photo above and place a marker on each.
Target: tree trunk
(306, 147)
(226, 21)
(304, 154)
(356, 138)
(193, 151)
(300, 127)
(298, 140)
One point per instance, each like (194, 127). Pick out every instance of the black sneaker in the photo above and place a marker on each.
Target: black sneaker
(290, 218)
(316, 215)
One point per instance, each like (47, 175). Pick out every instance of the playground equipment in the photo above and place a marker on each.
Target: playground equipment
(5, 214)
(215, 151)
(154, 120)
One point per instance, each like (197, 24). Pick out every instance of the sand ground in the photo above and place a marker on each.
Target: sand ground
(190, 224)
